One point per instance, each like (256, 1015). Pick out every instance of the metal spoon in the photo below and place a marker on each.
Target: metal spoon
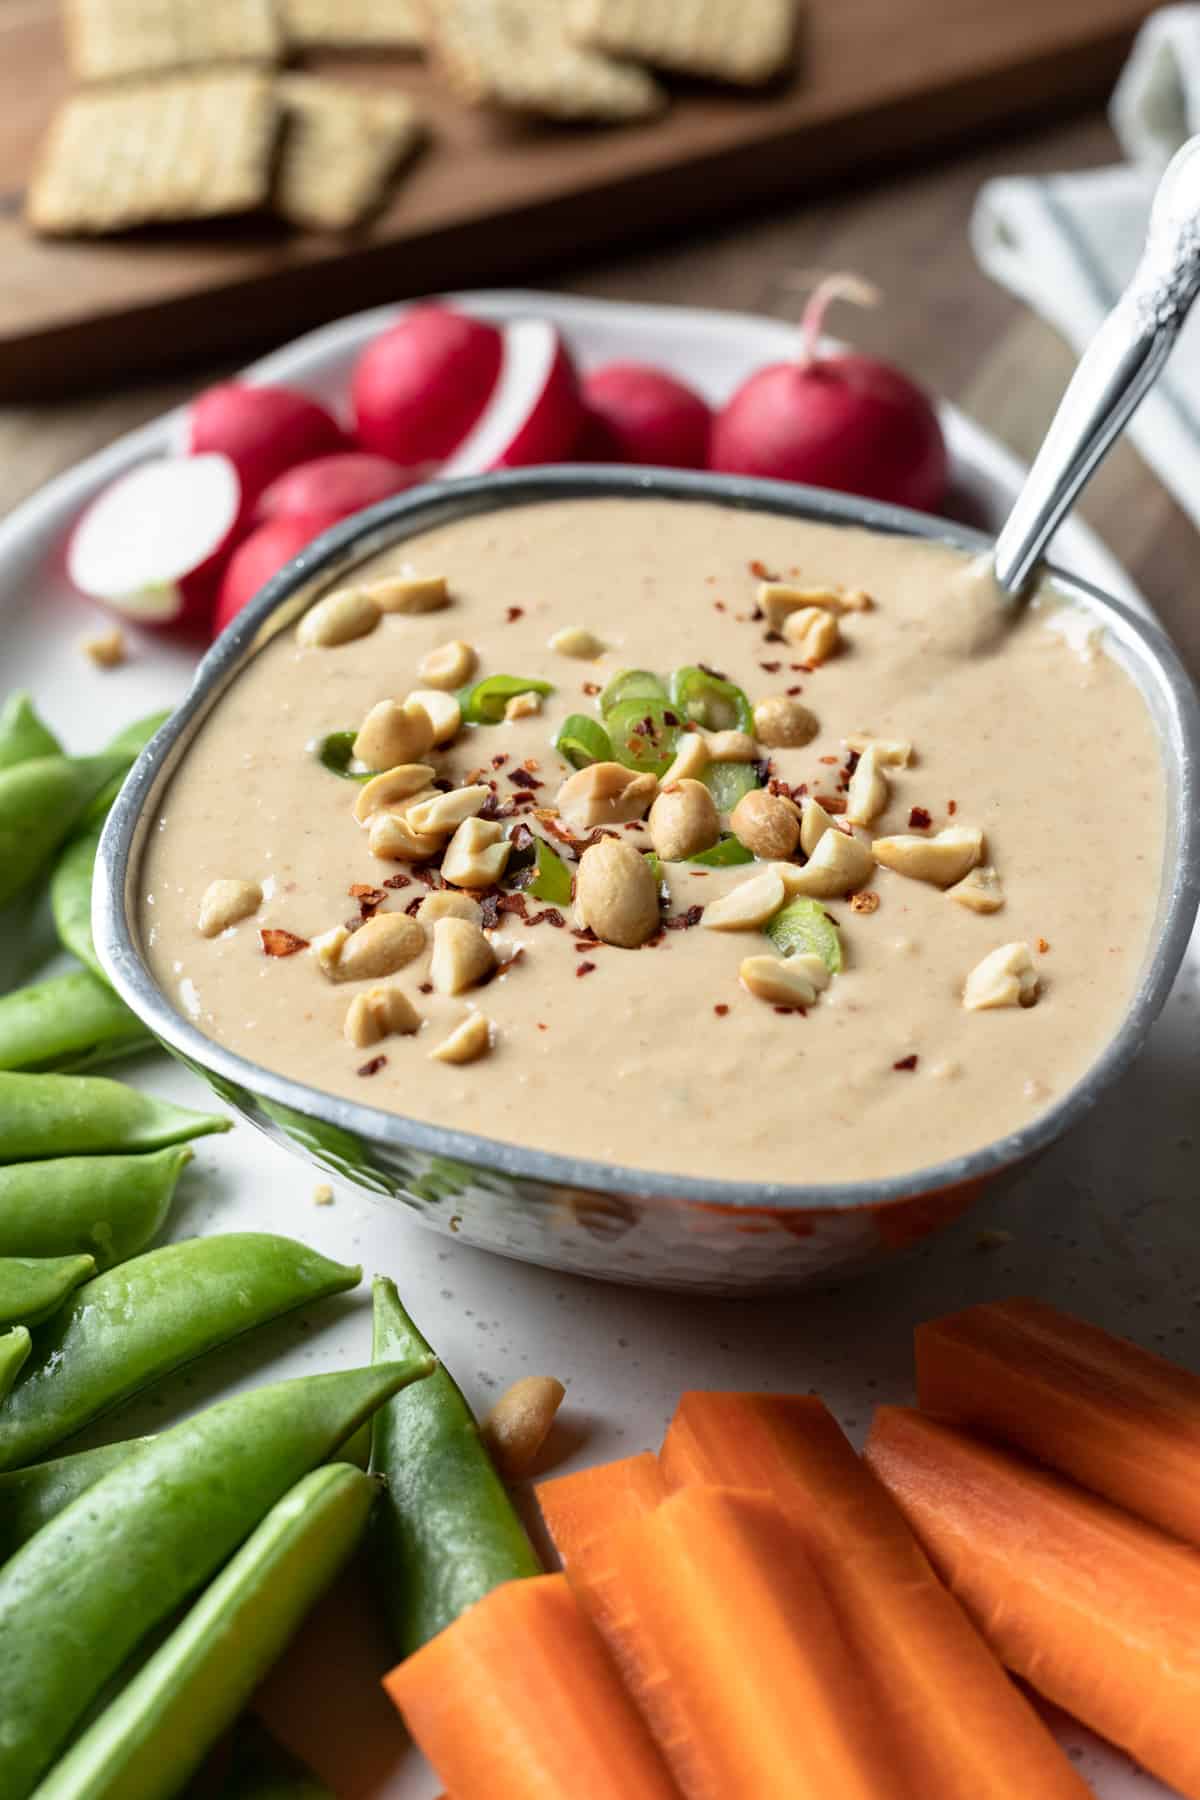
(1115, 372)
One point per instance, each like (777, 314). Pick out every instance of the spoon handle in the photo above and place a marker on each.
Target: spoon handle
(1115, 372)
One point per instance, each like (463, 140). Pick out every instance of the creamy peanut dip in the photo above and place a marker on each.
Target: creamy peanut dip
(965, 812)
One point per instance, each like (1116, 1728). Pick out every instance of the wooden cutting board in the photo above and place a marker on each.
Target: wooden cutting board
(493, 199)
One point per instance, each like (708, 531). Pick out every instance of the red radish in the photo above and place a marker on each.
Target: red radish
(262, 555)
(651, 417)
(419, 388)
(847, 421)
(534, 415)
(151, 545)
(263, 430)
(342, 484)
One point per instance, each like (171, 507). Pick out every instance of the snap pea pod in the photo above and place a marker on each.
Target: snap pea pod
(158, 1729)
(34, 1287)
(71, 1021)
(81, 1595)
(70, 1115)
(71, 895)
(41, 802)
(449, 1532)
(260, 1768)
(22, 734)
(108, 1207)
(29, 1498)
(15, 1346)
(129, 742)
(125, 1329)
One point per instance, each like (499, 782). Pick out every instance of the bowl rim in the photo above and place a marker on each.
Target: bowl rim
(422, 508)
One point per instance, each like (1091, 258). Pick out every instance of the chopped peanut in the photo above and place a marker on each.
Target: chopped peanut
(893, 753)
(407, 781)
(410, 593)
(107, 649)
(519, 1423)
(573, 640)
(462, 956)
(605, 793)
(616, 893)
(391, 734)
(980, 890)
(691, 759)
(476, 855)
(446, 812)
(338, 619)
(1005, 978)
(768, 824)
(379, 1013)
(448, 666)
(785, 980)
(466, 1043)
(442, 711)
(683, 821)
(869, 790)
(225, 903)
(391, 838)
(446, 903)
(731, 747)
(523, 706)
(779, 600)
(814, 823)
(383, 945)
(748, 905)
(783, 723)
(813, 632)
(839, 865)
(942, 859)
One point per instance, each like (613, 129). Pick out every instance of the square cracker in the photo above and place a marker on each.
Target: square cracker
(341, 148)
(516, 55)
(192, 147)
(109, 40)
(354, 24)
(740, 41)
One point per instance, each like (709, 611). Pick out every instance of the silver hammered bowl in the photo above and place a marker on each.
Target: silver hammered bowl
(596, 1218)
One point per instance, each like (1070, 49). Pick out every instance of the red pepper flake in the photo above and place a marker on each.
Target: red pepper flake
(865, 901)
(919, 819)
(1043, 946)
(514, 613)
(373, 1067)
(790, 1012)
(685, 921)
(852, 762)
(584, 968)
(771, 668)
(772, 637)
(833, 803)
(414, 906)
(398, 881)
(500, 758)
(906, 1064)
(793, 691)
(721, 1010)
(362, 890)
(829, 759)
(542, 1027)
(523, 779)
(426, 987)
(591, 689)
(277, 942)
(760, 569)
(718, 605)
(952, 807)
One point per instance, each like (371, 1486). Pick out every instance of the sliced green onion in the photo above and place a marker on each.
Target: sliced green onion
(726, 853)
(803, 927)
(484, 703)
(644, 735)
(336, 753)
(727, 782)
(581, 741)
(552, 883)
(631, 684)
(708, 700)
(655, 861)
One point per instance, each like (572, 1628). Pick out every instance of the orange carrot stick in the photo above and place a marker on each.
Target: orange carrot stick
(1098, 1611)
(517, 1700)
(1123, 1422)
(963, 1731)
(581, 1510)
(728, 1643)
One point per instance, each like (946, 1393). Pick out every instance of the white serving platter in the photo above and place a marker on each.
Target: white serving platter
(1102, 1225)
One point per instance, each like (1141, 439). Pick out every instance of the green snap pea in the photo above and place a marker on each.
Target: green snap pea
(631, 684)
(71, 896)
(15, 1346)
(34, 1287)
(23, 736)
(30, 1498)
(802, 926)
(581, 741)
(449, 1532)
(72, 1021)
(552, 878)
(70, 1115)
(485, 701)
(129, 743)
(158, 1729)
(125, 1329)
(259, 1768)
(726, 853)
(644, 734)
(728, 782)
(709, 700)
(108, 1207)
(41, 802)
(81, 1595)
(336, 753)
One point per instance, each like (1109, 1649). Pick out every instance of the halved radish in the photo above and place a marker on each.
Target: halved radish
(649, 416)
(419, 387)
(262, 555)
(343, 484)
(263, 430)
(535, 414)
(152, 544)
